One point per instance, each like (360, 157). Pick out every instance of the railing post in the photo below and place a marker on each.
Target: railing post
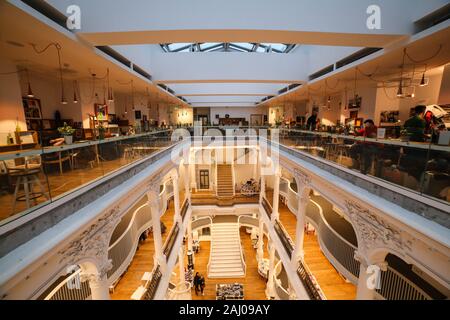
(153, 203)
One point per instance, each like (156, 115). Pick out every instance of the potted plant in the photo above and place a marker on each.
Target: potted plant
(67, 132)
(101, 131)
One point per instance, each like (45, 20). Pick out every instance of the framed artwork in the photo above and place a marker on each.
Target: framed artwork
(355, 103)
(389, 116)
(32, 108)
(101, 111)
(137, 114)
(256, 119)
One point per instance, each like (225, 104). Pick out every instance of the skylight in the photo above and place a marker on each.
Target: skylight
(228, 47)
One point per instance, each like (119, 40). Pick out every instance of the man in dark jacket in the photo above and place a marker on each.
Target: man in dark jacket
(197, 283)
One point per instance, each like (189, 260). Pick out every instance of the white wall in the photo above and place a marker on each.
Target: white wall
(11, 109)
(243, 112)
(444, 94)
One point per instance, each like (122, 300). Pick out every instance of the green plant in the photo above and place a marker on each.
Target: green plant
(66, 130)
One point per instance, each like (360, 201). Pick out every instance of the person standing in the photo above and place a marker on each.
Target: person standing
(311, 123)
(197, 283)
(202, 284)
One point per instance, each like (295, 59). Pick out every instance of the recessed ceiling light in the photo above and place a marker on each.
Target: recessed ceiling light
(16, 44)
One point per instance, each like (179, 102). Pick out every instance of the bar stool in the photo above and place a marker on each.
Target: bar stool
(26, 175)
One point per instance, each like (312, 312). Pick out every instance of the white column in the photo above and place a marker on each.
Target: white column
(192, 171)
(189, 234)
(369, 277)
(263, 188)
(276, 196)
(153, 202)
(181, 264)
(260, 250)
(270, 283)
(303, 199)
(363, 291)
(99, 287)
(176, 198)
(187, 188)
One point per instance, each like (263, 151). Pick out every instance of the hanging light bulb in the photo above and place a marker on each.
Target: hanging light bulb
(75, 99)
(110, 91)
(30, 92)
(400, 89)
(63, 99)
(104, 96)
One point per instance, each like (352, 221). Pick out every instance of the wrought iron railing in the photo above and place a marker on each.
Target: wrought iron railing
(267, 207)
(311, 286)
(153, 284)
(171, 240)
(184, 209)
(284, 238)
(395, 286)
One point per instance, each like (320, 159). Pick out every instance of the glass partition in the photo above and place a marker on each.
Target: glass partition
(35, 177)
(420, 166)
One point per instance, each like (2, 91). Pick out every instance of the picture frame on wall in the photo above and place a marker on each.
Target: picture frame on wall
(32, 108)
(256, 119)
(137, 114)
(101, 111)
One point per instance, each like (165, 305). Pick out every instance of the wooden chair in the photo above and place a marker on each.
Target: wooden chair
(59, 160)
(27, 175)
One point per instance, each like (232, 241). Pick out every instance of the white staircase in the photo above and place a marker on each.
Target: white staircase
(226, 257)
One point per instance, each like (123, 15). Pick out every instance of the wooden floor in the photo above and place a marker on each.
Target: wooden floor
(332, 283)
(56, 184)
(254, 284)
(142, 261)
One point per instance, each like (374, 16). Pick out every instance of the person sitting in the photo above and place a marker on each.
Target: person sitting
(369, 130)
(415, 126)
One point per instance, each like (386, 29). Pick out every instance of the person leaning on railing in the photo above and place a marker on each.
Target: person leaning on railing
(364, 151)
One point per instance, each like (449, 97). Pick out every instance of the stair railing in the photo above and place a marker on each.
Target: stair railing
(233, 178)
(244, 265)
(211, 245)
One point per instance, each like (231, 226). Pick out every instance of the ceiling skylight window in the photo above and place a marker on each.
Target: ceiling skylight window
(228, 47)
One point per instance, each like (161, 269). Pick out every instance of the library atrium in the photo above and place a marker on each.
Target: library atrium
(224, 150)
